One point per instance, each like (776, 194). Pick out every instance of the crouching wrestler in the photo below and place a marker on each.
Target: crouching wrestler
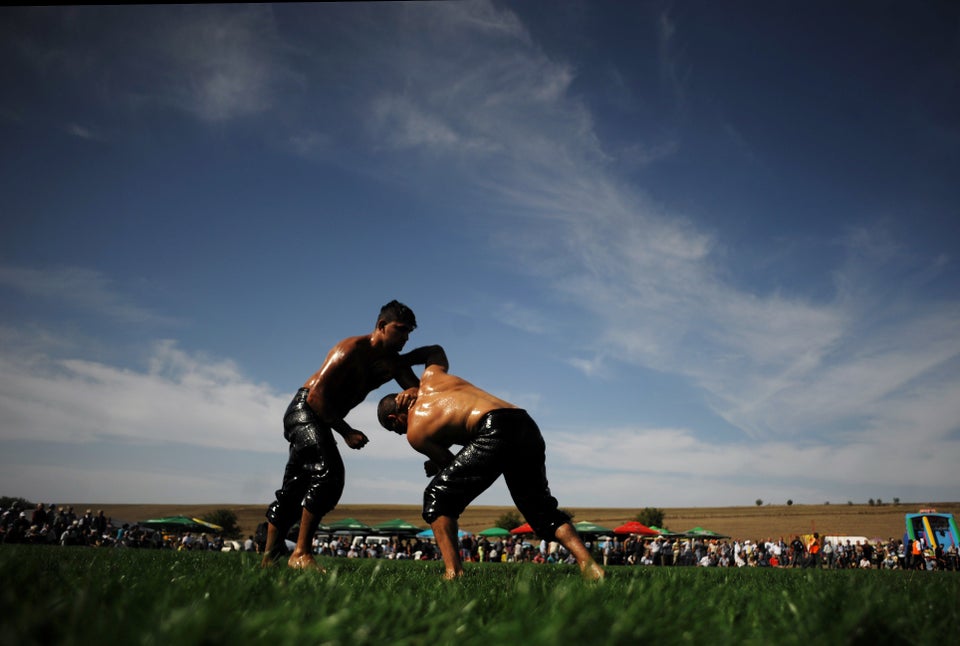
(497, 438)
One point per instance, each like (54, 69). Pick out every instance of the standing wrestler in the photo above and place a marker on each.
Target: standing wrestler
(497, 438)
(314, 475)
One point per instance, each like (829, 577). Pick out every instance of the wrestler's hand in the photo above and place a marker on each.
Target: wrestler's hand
(431, 468)
(355, 439)
(406, 399)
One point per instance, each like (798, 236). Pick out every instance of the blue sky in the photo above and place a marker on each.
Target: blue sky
(713, 251)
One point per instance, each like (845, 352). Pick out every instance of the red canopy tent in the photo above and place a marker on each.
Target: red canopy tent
(523, 529)
(634, 527)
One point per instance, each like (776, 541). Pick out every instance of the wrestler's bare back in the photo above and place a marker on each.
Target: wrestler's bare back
(448, 409)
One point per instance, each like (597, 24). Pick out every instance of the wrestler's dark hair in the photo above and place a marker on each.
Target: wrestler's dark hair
(397, 311)
(386, 408)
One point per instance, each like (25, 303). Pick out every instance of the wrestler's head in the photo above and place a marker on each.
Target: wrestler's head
(395, 323)
(390, 416)
(397, 311)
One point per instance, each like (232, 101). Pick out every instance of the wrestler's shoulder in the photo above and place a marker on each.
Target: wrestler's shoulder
(362, 340)
(352, 345)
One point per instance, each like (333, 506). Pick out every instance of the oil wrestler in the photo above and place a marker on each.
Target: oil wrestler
(314, 475)
(497, 438)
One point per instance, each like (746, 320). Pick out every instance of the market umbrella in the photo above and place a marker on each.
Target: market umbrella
(663, 531)
(635, 527)
(586, 527)
(494, 531)
(181, 523)
(523, 529)
(211, 526)
(397, 525)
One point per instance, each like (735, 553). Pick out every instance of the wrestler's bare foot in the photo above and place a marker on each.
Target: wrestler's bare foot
(305, 562)
(452, 575)
(593, 572)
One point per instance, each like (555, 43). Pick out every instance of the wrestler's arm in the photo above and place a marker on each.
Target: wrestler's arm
(407, 378)
(355, 439)
(428, 355)
(439, 454)
(405, 375)
(433, 357)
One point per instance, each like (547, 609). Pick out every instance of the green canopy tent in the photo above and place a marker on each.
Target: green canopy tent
(396, 526)
(586, 527)
(494, 532)
(666, 533)
(700, 532)
(181, 524)
(349, 526)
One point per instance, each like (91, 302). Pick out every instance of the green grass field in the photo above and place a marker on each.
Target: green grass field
(54, 595)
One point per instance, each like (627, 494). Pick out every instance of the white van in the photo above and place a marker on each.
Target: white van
(371, 540)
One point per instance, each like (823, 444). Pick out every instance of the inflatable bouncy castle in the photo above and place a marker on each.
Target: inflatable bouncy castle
(932, 529)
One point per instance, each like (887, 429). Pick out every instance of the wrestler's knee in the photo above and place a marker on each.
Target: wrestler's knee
(324, 491)
(282, 515)
(546, 523)
(430, 510)
(434, 500)
(546, 530)
(441, 499)
(320, 501)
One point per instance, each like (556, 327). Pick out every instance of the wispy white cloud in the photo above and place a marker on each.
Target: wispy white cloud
(179, 398)
(82, 132)
(81, 288)
(670, 57)
(217, 63)
(405, 125)
(220, 63)
(643, 154)
(310, 143)
(522, 317)
(480, 99)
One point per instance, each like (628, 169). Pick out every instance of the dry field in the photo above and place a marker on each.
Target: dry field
(739, 522)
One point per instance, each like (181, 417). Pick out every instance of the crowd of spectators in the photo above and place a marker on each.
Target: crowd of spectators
(797, 553)
(392, 547)
(665, 552)
(415, 548)
(671, 551)
(52, 525)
